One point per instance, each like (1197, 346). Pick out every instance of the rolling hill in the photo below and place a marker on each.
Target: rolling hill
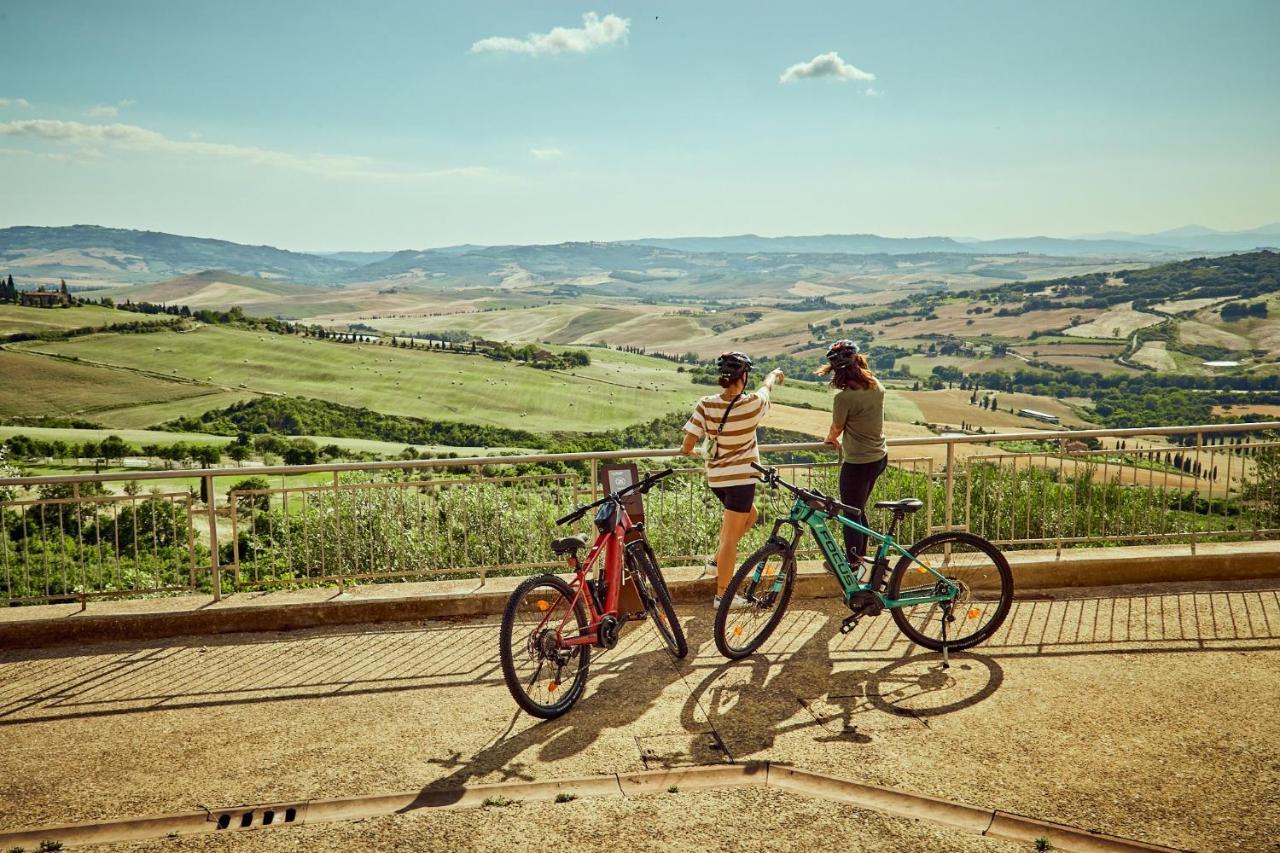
(92, 253)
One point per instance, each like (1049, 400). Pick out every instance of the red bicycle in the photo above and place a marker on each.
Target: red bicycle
(549, 625)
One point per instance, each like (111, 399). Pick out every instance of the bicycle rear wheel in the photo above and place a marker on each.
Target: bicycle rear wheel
(652, 589)
(763, 585)
(544, 677)
(986, 591)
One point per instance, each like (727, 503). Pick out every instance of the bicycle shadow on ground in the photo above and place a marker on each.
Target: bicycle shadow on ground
(616, 699)
(752, 702)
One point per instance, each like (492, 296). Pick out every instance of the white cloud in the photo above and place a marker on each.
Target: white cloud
(873, 92)
(109, 110)
(594, 32)
(824, 65)
(20, 103)
(546, 153)
(89, 139)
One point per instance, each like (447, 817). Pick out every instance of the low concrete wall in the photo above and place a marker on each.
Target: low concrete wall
(51, 625)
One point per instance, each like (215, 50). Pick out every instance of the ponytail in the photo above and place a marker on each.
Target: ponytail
(855, 375)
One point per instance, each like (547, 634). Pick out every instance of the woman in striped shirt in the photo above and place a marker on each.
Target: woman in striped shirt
(729, 419)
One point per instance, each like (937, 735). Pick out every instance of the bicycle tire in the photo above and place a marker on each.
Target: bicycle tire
(1003, 601)
(653, 591)
(506, 652)
(738, 582)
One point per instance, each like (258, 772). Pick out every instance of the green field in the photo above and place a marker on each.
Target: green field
(129, 416)
(616, 390)
(141, 437)
(34, 386)
(19, 318)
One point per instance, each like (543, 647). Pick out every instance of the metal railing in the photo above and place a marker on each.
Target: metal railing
(76, 537)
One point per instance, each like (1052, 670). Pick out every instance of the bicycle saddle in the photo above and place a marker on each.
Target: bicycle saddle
(568, 544)
(905, 505)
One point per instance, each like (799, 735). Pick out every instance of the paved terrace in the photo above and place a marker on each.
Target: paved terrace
(1141, 711)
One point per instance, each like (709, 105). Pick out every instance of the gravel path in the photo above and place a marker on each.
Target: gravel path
(1147, 713)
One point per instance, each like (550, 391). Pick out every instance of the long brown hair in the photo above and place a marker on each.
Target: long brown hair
(854, 376)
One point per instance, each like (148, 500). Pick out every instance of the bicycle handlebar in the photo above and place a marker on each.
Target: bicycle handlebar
(830, 504)
(642, 486)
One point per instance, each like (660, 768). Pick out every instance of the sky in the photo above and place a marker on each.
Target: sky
(391, 125)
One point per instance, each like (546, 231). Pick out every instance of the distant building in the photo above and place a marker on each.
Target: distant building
(1040, 416)
(41, 298)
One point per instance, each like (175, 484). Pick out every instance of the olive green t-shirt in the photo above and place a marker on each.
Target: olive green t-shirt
(861, 414)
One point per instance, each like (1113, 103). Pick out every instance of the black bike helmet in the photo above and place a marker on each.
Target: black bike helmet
(731, 365)
(841, 353)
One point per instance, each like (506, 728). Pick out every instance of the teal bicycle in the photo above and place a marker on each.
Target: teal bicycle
(947, 592)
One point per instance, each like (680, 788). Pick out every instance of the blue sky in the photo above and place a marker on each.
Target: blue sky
(407, 124)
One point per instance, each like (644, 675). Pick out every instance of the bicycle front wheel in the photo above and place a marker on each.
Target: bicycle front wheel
(980, 606)
(755, 600)
(657, 599)
(545, 677)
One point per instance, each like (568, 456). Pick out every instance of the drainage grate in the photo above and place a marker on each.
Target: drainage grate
(249, 818)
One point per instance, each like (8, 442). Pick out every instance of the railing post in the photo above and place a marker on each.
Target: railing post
(337, 528)
(214, 568)
(1195, 494)
(1062, 467)
(595, 473)
(949, 494)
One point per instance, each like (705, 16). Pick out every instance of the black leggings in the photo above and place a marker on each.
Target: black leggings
(856, 482)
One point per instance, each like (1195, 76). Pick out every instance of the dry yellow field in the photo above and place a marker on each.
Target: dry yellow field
(1118, 322)
(1155, 354)
(1194, 332)
(951, 407)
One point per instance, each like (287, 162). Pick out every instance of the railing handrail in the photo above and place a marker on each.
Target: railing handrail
(605, 455)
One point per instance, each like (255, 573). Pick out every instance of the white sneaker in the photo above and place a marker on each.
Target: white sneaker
(737, 604)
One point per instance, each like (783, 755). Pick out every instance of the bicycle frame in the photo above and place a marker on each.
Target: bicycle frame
(611, 544)
(804, 516)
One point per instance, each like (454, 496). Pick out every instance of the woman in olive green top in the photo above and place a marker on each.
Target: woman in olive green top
(858, 416)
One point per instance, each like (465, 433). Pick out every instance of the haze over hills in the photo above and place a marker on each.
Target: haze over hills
(122, 255)
(87, 255)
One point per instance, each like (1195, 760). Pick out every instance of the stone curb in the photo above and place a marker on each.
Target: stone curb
(972, 819)
(1032, 570)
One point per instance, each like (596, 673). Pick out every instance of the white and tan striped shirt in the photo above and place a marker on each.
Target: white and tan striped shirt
(736, 445)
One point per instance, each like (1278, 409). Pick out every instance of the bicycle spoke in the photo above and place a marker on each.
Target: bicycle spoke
(974, 577)
(754, 602)
(535, 661)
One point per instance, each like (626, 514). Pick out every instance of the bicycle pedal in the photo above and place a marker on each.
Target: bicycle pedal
(849, 623)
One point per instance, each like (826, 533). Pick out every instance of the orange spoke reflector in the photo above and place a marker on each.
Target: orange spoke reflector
(551, 687)
(737, 630)
(973, 613)
(543, 604)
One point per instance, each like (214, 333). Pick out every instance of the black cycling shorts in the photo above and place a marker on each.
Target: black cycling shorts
(736, 498)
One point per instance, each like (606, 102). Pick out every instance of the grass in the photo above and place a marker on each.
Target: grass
(1120, 321)
(616, 390)
(140, 437)
(131, 416)
(35, 386)
(498, 801)
(20, 318)
(566, 797)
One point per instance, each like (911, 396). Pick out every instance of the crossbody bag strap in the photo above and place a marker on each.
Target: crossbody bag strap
(720, 429)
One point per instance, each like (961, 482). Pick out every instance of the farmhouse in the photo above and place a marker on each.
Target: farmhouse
(1038, 415)
(42, 298)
